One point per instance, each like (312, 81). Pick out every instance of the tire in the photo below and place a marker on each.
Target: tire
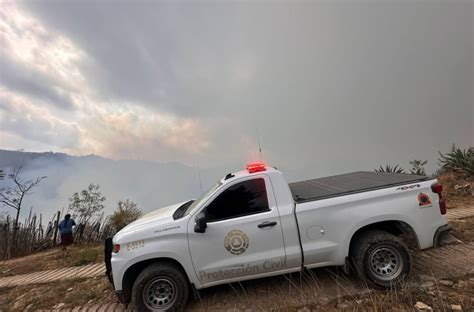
(381, 259)
(167, 288)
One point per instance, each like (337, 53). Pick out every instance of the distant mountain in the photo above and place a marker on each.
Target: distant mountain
(150, 184)
(9, 159)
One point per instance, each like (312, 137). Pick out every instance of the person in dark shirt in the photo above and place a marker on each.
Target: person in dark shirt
(65, 228)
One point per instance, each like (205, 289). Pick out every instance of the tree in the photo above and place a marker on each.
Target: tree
(126, 212)
(87, 203)
(13, 196)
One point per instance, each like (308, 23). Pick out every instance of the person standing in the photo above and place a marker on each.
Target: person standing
(65, 228)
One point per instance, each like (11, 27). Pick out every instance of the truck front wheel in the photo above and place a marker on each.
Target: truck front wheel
(381, 259)
(160, 287)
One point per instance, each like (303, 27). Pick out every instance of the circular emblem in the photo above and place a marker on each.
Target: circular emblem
(423, 199)
(236, 242)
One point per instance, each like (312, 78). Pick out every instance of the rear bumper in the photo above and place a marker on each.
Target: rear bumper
(441, 234)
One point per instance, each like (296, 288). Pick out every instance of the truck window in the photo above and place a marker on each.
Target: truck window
(202, 198)
(241, 199)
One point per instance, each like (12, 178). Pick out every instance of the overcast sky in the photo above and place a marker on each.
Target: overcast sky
(331, 86)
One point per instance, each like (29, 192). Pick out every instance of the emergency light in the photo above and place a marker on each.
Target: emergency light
(256, 167)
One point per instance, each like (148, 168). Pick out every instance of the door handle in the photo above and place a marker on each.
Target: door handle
(266, 224)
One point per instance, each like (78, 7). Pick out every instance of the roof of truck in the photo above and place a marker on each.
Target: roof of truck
(245, 173)
(349, 183)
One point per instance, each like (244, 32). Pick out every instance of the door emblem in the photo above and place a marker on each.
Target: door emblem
(423, 199)
(236, 242)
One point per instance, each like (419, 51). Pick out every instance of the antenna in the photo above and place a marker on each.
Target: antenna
(259, 146)
(200, 181)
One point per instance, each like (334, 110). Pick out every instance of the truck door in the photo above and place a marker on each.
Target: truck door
(243, 235)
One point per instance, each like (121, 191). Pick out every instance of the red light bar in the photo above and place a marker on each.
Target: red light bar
(256, 167)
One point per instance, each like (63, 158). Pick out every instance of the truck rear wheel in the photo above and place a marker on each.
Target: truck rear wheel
(160, 287)
(381, 259)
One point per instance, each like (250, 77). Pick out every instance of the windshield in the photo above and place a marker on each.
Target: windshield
(200, 199)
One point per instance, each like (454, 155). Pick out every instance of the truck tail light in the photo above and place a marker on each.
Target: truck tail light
(116, 248)
(438, 189)
(256, 167)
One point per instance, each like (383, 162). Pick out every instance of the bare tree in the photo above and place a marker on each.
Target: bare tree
(12, 196)
(3, 217)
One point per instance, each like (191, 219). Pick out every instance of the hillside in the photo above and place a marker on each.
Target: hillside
(151, 184)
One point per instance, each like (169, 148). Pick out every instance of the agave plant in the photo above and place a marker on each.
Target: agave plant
(458, 160)
(390, 169)
(418, 167)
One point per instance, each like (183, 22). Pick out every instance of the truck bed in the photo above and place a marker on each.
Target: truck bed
(349, 183)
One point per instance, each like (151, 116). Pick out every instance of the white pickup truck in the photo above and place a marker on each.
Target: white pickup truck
(253, 224)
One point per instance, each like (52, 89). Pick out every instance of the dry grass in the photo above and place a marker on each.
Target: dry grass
(292, 297)
(45, 296)
(287, 295)
(280, 294)
(457, 198)
(439, 298)
(52, 259)
(463, 229)
(78, 257)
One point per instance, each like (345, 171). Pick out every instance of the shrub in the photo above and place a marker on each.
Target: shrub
(461, 160)
(126, 212)
(85, 256)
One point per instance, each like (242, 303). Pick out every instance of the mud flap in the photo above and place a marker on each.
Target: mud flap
(108, 247)
(442, 236)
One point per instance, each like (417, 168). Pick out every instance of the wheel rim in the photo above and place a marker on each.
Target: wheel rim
(160, 293)
(386, 262)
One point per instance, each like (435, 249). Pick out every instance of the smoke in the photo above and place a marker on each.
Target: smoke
(151, 185)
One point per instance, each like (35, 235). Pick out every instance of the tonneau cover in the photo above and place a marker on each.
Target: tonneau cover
(349, 183)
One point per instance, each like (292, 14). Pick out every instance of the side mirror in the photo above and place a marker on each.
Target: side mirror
(200, 223)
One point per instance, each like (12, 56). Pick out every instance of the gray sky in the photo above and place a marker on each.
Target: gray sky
(332, 86)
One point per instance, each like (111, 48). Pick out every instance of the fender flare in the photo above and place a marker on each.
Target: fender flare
(374, 220)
